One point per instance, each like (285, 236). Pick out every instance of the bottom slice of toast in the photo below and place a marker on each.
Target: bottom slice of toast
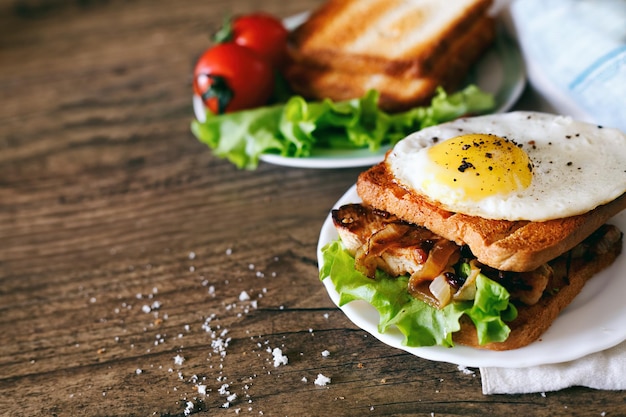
(533, 321)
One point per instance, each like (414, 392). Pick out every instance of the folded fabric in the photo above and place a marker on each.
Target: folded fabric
(575, 55)
(605, 370)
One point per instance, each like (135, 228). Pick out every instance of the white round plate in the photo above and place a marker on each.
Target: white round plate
(500, 72)
(593, 322)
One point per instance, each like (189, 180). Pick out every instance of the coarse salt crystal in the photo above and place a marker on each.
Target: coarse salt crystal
(321, 380)
(465, 370)
(178, 360)
(279, 358)
(326, 353)
(189, 406)
(244, 296)
(223, 390)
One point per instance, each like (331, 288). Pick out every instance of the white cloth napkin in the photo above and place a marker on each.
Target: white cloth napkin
(604, 370)
(575, 55)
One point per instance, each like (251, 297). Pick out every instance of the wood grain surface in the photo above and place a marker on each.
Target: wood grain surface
(142, 276)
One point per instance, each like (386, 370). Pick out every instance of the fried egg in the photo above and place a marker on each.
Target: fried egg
(513, 166)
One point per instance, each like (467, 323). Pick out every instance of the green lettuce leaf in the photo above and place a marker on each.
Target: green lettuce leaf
(420, 323)
(297, 127)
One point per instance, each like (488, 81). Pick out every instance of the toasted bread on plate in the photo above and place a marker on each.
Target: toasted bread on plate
(397, 92)
(404, 49)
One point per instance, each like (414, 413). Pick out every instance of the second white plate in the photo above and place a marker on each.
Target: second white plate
(500, 72)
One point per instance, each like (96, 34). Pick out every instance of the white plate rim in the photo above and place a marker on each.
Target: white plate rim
(503, 62)
(586, 326)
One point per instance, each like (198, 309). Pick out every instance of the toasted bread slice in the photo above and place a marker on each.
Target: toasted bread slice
(504, 245)
(397, 93)
(532, 321)
(394, 37)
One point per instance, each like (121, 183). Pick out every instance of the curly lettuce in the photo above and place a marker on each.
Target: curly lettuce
(420, 323)
(297, 127)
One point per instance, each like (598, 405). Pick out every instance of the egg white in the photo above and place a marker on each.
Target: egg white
(577, 166)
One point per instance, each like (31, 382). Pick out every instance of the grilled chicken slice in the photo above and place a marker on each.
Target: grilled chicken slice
(380, 240)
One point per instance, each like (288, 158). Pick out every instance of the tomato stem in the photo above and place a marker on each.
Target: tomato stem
(225, 33)
(220, 90)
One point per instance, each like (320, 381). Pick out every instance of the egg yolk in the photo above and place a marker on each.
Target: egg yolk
(481, 165)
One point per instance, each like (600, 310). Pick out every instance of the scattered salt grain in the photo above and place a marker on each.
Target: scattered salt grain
(326, 353)
(321, 380)
(465, 370)
(178, 360)
(201, 389)
(192, 255)
(244, 296)
(146, 308)
(138, 371)
(189, 406)
(223, 390)
(304, 379)
(279, 358)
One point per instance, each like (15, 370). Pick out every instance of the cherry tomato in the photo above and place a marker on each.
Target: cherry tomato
(261, 32)
(230, 77)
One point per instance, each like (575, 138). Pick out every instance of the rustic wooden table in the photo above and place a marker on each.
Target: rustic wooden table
(140, 275)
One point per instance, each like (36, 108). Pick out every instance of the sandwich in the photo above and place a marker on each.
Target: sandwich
(404, 49)
(481, 231)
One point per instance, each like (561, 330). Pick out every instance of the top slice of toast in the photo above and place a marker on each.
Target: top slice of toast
(504, 245)
(395, 37)
(396, 93)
